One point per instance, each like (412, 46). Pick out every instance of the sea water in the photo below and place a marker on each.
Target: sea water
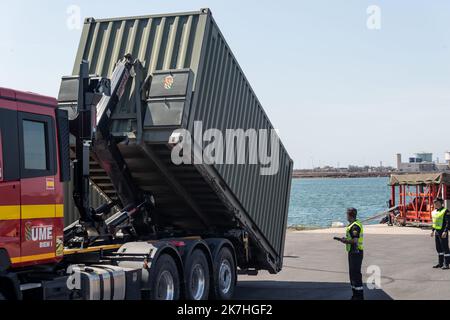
(319, 202)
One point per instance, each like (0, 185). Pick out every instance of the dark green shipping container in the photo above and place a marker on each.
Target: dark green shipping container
(189, 48)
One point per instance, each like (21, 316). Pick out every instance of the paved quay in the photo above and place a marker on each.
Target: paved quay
(315, 267)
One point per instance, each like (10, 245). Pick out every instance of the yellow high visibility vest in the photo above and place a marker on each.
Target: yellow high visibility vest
(438, 218)
(349, 236)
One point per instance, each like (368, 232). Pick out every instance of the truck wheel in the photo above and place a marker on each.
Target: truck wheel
(197, 276)
(164, 279)
(225, 275)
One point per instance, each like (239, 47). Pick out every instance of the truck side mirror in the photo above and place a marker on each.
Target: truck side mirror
(62, 123)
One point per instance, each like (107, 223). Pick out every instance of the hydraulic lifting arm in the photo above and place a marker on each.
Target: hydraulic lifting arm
(91, 101)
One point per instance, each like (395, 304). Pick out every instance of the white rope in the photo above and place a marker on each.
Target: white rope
(378, 215)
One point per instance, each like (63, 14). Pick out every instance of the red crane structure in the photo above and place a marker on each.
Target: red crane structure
(412, 195)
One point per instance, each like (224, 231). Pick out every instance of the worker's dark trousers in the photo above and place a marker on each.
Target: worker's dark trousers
(442, 248)
(354, 263)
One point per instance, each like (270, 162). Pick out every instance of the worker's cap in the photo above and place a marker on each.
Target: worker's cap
(352, 211)
(438, 200)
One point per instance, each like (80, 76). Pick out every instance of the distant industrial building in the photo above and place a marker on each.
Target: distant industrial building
(422, 162)
(421, 157)
(447, 157)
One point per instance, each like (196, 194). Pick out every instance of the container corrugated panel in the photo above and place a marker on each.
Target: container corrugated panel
(222, 98)
(225, 100)
(160, 42)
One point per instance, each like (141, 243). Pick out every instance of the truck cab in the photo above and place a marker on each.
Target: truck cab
(31, 191)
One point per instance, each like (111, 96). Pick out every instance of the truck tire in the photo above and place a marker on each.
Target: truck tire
(197, 276)
(225, 275)
(164, 279)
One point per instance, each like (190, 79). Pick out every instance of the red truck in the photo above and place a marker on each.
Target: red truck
(31, 193)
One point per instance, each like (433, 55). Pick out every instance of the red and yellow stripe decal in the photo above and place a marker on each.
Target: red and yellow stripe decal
(10, 212)
(49, 256)
(37, 257)
(27, 212)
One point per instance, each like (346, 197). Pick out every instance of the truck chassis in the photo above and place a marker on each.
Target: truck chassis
(121, 256)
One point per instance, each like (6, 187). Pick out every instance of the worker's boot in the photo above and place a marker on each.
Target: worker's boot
(357, 294)
(446, 262)
(360, 295)
(441, 262)
(353, 294)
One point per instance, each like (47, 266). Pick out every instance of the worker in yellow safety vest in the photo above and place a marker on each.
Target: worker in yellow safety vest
(440, 216)
(354, 245)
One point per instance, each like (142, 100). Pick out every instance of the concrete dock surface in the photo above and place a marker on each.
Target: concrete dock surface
(315, 267)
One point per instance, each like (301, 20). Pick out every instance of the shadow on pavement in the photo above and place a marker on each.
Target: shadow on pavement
(286, 290)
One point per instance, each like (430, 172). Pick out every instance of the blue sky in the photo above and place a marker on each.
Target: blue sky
(338, 92)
